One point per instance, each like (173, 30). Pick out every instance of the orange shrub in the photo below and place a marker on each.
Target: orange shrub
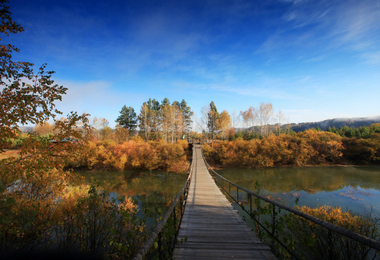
(309, 147)
(328, 146)
(136, 154)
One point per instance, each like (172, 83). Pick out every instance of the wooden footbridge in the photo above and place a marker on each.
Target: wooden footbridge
(211, 227)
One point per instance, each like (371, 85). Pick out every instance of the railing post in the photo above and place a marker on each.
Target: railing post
(250, 204)
(160, 247)
(273, 219)
(174, 218)
(330, 245)
(181, 203)
(237, 195)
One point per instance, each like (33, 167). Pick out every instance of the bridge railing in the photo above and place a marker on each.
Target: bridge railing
(275, 224)
(160, 243)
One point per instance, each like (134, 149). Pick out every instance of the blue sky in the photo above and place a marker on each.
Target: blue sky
(313, 60)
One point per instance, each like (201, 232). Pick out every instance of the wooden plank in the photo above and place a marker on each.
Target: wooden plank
(211, 228)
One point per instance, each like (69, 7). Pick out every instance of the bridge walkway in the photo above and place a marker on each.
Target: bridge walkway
(211, 228)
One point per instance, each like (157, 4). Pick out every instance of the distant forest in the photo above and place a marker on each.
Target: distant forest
(334, 123)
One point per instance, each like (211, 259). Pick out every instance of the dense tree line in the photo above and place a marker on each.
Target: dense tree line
(134, 154)
(257, 122)
(360, 132)
(165, 120)
(337, 123)
(310, 147)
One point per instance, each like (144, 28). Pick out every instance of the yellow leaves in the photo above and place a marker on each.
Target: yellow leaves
(136, 154)
(43, 128)
(309, 147)
(120, 163)
(336, 216)
(128, 204)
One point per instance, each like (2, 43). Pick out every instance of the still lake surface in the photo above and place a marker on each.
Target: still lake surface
(152, 192)
(356, 189)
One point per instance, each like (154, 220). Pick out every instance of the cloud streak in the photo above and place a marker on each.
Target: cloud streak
(323, 27)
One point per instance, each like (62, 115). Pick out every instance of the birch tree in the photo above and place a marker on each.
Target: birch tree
(249, 117)
(144, 121)
(265, 114)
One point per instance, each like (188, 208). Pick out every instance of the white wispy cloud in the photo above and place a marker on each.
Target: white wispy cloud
(372, 58)
(322, 27)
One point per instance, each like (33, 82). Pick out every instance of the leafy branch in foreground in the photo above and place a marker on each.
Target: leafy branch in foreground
(42, 204)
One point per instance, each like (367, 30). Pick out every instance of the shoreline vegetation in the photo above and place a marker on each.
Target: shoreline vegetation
(309, 148)
(305, 149)
(46, 207)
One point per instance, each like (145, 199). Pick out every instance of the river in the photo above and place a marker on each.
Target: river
(356, 189)
(152, 192)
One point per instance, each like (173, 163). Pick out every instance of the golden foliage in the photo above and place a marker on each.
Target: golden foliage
(336, 216)
(362, 151)
(38, 208)
(316, 242)
(309, 147)
(136, 154)
(44, 128)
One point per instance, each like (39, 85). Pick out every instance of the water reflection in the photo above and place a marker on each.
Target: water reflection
(153, 192)
(352, 188)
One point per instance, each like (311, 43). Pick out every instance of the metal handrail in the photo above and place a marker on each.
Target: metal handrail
(160, 225)
(340, 230)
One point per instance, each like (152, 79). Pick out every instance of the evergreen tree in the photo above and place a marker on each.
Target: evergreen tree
(212, 118)
(127, 118)
(154, 118)
(144, 121)
(187, 114)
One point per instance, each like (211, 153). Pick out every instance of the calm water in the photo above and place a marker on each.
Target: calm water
(356, 189)
(153, 192)
(352, 188)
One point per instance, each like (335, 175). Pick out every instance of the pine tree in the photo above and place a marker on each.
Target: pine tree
(127, 118)
(212, 118)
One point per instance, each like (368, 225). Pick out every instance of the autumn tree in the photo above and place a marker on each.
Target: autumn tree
(149, 119)
(127, 118)
(36, 181)
(26, 96)
(178, 122)
(235, 119)
(249, 117)
(265, 113)
(121, 134)
(224, 123)
(99, 124)
(106, 133)
(172, 120)
(165, 112)
(280, 118)
(44, 128)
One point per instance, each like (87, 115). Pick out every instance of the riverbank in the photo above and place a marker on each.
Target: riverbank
(309, 148)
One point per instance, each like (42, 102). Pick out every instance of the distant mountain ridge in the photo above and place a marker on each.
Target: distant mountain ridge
(336, 122)
(355, 122)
